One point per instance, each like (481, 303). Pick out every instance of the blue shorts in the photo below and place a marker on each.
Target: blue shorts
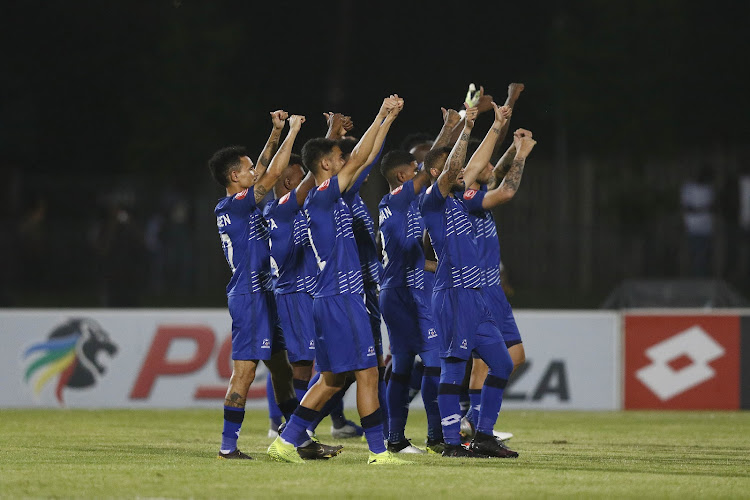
(408, 316)
(343, 333)
(464, 321)
(372, 304)
(296, 317)
(256, 332)
(503, 314)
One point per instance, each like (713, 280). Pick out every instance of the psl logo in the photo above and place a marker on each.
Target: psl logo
(667, 382)
(71, 352)
(431, 333)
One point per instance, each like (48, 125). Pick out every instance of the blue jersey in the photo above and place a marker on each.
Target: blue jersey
(401, 229)
(244, 238)
(364, 228)
(292, 259)
(486, 233)
(329, 221)
(452, 235)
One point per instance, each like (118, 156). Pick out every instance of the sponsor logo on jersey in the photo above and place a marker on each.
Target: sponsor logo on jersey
(397, 190)
(241, 195)
(325, 185)
(431, 333)
(266, 344)
(370, 351)
(284, 199)
(464, 344)
(469, 194)
(70, 353)
(312, 345)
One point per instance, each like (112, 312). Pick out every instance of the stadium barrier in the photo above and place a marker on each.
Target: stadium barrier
(576, 360)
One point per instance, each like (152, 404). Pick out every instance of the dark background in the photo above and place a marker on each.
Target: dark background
(112, 106)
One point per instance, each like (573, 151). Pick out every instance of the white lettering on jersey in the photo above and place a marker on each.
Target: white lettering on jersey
(384, 214)
(226, 242)
(272, 225)
(223, 220)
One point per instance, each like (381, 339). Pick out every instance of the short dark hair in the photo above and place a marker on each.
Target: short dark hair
(412, 140)
(295, 159)
(314, 150)
(431, 160)
(393, 160)
(224, 161)
(347, 144)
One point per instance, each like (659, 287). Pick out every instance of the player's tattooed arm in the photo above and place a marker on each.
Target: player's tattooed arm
(451, 119)
(523, 143)
(272, 144)
(235, 400)
(457, 156)
(481, 157)
(280, 160)
(514, 92)
(362, 150)
(501, 167)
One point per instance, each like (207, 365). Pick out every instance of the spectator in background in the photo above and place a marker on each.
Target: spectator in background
(697, 201)
(119, 242)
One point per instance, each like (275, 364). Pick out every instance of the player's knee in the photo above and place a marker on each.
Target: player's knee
(243, 373)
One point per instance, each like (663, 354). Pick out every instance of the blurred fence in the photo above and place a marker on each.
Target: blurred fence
(575, 229)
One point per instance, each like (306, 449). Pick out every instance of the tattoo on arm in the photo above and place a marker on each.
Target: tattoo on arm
(235, 400)
(513, 177)
(260, 192)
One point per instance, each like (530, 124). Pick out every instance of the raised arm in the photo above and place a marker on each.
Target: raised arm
(514, 92)
(483, 104)
(483, 154)
(377, 147)
(457, 156)
(280, 159)
(362, 150)
(451, 119)
(502, 166)
(338, 125)
(507, 189)
(272, 145)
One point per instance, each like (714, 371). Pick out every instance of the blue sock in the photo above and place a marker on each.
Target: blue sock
(415, 382)
(382, 399)
(475, 399)
(295, 431)
(430, 383)
(273, 409)
(500, 367)
(397, 395)
(373, 427)
(451, 375)
(300, 388)
(233, 418)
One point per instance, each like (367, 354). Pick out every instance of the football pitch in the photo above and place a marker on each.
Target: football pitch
(172, 454)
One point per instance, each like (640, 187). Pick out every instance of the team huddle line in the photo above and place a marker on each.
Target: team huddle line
(311, 279)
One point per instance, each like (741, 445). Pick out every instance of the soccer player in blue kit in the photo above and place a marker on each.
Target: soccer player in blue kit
(464, 320)
(406, 308)
(344, 337)
(480, 178)
(256, 334)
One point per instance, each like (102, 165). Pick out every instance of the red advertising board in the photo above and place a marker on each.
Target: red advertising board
(682, 362)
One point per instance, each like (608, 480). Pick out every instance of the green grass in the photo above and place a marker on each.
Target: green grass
(172, 454)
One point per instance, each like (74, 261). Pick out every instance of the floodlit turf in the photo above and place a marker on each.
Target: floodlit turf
(172, 454)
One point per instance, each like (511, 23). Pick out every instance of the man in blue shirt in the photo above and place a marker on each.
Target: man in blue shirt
(344, 338)
(462, 315)
(405, 307)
